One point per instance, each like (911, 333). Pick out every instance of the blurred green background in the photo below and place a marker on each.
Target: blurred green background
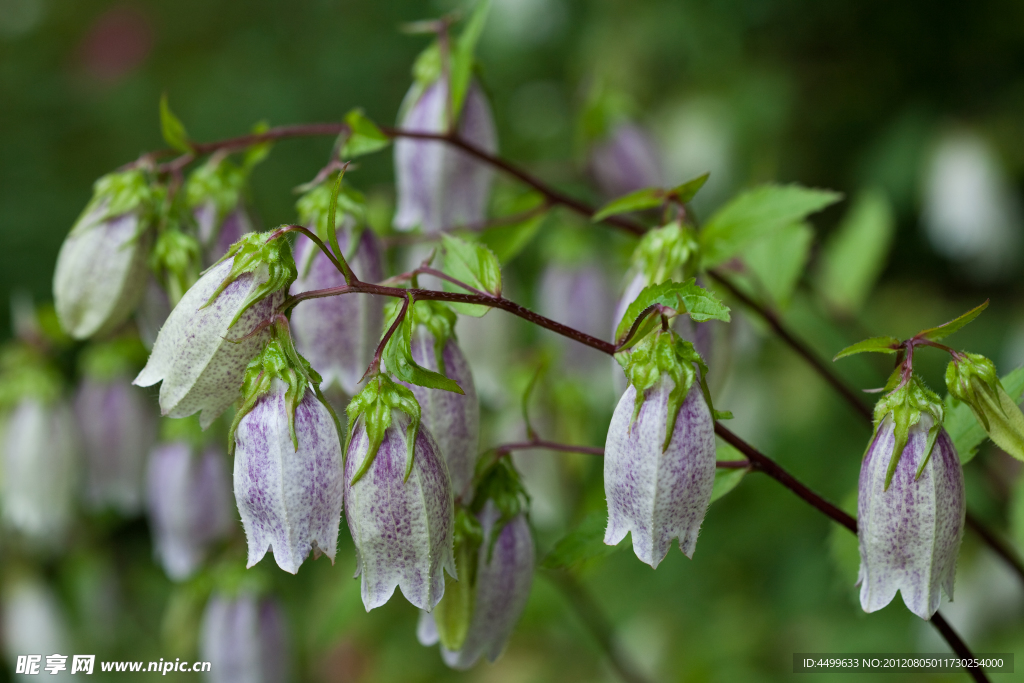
(842, 94)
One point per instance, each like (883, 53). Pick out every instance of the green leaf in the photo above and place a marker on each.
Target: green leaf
(508, 240)
(962, 426)
(399, 361)
(463, 55)
(726, 478)
(172, 128)
(688, 190)
(364, 136)
(778, 261)
(682, 297)
(756, 214)
(943, 331)
(873, 345)
(856, 253)
(585, 542)
(634, 201)
(474, 264)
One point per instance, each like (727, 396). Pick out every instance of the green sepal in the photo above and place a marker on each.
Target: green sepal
(498, 481)
(364, 137)
(175, 259)
(118, 193)
(873, 345)
(314, 207)
(374, 403)
(398, 353)
(679, 297)
(666, 253)
(664, 352)
(25, 372)
(971, 378)
(954, 325)
(173, 129)
(474, 264)
(905, 402)
(249, 254)
(220, 180)
(454, 612)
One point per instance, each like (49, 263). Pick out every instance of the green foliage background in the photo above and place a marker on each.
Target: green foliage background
(844, 95)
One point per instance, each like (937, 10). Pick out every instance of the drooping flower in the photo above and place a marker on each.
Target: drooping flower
(398, 498)
(452, 419)
(189, 503)
(440, 186)
(203, 348)
(910, 505)
(118, 430)
(659, 465)
(40, 466)
(339, 334)
(626, 161)
(580, 298)
(244, 638)
(101, 268)
(215, 193)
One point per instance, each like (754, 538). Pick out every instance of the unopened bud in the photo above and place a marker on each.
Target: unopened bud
(972, 378)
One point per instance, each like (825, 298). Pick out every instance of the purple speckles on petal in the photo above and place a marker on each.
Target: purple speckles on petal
(910, 534)
(658, 496)
(290, 500)
(403, 530)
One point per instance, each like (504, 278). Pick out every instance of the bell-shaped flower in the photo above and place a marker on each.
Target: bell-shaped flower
(398, 498)
(288, 465)
(40, 466)
(659, 463)
(101, 268)
(580, 298)
(439, 185)
(189, 502)
(245, 639)
(453, 419)
(337, 334)
(626, 161)
(910, 504)
(203, 348)
(118, 428)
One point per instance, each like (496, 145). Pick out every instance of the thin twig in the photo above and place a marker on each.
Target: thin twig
(547, 445)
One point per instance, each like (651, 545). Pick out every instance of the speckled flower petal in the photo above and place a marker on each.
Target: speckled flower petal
(910, 534)
(439, 186)
(101, 273)
(502, 588)
(290, 500)
(403, 530)
(659, 496)
(197, 357)
(452, 419)
(339, 334)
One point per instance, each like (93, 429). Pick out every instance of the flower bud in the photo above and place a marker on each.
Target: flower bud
(398, 498)
(911, 519)
(244, 639)
(40, 465)
(118, 430)
(626, 161)
(215, 195)
(501, 587)
(440, 186)
(101, 268)
(972, 378)
(659, 464)
(189, 502)
(452, 419)
(288, 477)
(202, 350)
(338, 334)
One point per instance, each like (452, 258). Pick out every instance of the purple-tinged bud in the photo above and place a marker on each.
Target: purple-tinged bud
(626, 161)
(245, 640)
(504, 576)
(189, 501)
(101, 268)
(202, 350)
(40, 466)
(152, 312)
(440, 186)
(338, 334)
(215, 193)
(399, 506)
(910, 528)
(659, 465)
(235, 225)
(288, 478)
(118, 430)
